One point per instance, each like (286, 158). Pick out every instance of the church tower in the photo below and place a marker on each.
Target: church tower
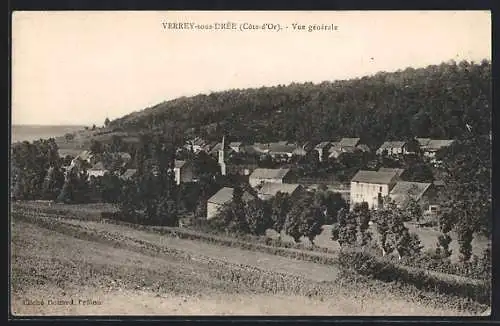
(222, 162)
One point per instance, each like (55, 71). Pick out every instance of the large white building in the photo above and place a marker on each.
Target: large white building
(372, 187)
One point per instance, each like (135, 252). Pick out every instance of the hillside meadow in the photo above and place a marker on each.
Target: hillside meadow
(130, 271)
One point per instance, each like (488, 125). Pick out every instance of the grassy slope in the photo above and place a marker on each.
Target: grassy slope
(48, 264)
(427, 236)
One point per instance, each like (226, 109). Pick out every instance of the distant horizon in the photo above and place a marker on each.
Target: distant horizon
(77, 68)
(47, 125)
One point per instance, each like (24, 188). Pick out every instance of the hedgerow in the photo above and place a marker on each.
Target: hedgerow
(377, 268)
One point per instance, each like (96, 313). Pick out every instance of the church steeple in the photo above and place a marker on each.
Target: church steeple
(222, 160)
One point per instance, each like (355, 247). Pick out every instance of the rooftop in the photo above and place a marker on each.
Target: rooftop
(279, 147)
(349, 142)
(423, 141)
(269, 173)
(216, 148)
(392, 144)
(225, 195)
(322, 145)
(129, 173)
(198, 142)
(375, 177)
(435, 144)
(402, 190)
(363, 147)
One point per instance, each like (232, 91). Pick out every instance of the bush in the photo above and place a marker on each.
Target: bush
(382, 269)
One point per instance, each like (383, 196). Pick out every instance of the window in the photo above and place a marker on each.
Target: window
(380, 189)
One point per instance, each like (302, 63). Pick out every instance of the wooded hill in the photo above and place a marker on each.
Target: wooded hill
(437, 101)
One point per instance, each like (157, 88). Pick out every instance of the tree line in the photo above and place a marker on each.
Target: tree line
(437, 101)
(299, 215)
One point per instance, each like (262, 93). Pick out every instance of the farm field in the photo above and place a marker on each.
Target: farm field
(123, 275)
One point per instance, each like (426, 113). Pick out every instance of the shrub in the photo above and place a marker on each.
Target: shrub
(382, 269)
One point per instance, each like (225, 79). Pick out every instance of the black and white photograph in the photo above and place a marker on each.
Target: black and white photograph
(251, 163)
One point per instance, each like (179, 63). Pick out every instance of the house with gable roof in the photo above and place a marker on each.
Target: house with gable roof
(393, 148)
(434, 145)
(268, 189)
(223, 197)
(425, 194)
(372, 187)
(261, 175)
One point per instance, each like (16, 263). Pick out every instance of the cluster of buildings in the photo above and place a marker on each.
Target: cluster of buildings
(372, 187)
(325, 149)
(183, 170)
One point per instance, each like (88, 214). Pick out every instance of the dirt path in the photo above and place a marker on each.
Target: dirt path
(146, 303)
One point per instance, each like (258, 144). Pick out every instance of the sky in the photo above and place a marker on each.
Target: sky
(78, 68)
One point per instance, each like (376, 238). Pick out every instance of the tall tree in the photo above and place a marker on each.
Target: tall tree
(304, 219)
(280, 207)
(467, 174)
(257, 216)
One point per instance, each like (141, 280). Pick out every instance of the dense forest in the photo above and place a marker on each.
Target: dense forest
(437, 101)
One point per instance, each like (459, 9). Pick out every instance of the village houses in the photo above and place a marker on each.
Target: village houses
(393, 148)
(346, 145)
(260, 176)
(281, 149)
(98, 170)
(433, 145)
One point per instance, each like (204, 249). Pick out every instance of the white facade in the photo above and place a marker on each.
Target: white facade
(371, 193)
(212, 209)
